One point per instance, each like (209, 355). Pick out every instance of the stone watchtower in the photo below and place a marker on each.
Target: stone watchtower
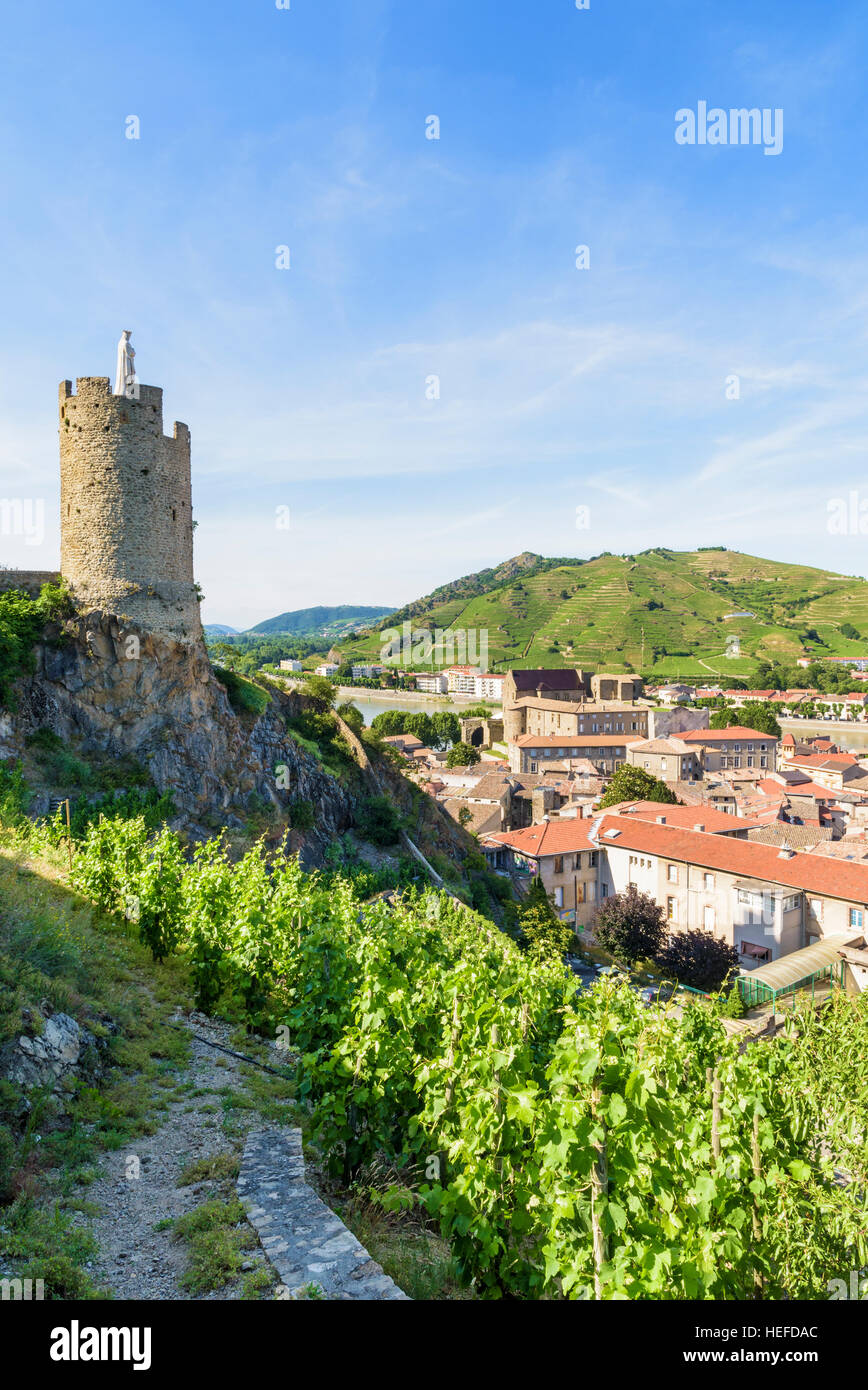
(126, 529)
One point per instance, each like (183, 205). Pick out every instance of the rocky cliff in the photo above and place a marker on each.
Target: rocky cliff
(113, 690)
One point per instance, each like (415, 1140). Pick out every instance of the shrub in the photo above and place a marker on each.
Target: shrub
(630, 926)
(698, 958)
(301, 815)
(377, 821)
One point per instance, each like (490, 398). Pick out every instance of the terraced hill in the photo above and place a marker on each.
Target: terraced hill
(664, 613)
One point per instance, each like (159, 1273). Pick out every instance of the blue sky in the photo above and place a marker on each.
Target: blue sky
(560, 388)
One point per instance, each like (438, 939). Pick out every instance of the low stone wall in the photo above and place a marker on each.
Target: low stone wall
(31, 581)
(305, 1242)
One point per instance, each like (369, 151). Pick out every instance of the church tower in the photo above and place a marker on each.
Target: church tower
(126, 538)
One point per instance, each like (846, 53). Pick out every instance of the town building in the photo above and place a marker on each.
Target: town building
(291, 666)
(667, 758)
(532, 752)
(560, 854)
(765, 901)
(733, 748)
(564, 684)
(432, 682)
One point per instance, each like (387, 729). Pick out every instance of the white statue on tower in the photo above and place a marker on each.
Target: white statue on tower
(125, 379)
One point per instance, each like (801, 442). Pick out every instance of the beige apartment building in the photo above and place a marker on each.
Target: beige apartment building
(765, 901)
(534, 752)
(734, 748)
(670, 759)
(560, 854)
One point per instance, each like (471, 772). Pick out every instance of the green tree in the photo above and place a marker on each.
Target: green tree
(420, 726)
(635, 784)
(321, 688)
(227, 655)
(446, 729)
(390, 723)
(462, 755)
(753, 714)
(630, 926)
(351, 716)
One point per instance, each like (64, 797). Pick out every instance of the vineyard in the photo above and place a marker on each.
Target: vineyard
(570, 1144)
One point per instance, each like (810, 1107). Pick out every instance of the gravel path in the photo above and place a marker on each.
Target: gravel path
(137, 1187)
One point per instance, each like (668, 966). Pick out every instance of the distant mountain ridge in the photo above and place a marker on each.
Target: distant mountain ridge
(708, 613)
(522, 566)
(320, 619)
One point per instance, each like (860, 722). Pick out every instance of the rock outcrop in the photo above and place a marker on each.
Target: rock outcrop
(110, 689)
(62, 1047)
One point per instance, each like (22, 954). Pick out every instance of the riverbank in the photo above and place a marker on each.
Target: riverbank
(403, 699)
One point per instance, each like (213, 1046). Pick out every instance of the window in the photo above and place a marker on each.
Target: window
(708, 918)
(559, 863)
(662, 764)
(590, 892)
(593, 859)
(750, 760)
(817, 908)
(533, 766)
(708, 882)
(856, 918)
(604, 890)
(580, 893)
(578, 863)
(764, 762)
(672, 873)
(791, 902)
(672, 909)
(559, 897)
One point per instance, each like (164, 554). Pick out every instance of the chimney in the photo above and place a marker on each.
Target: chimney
(700, 826)
(661, 820)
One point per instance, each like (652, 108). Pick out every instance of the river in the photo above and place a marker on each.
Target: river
(848, 734)
(371, 705)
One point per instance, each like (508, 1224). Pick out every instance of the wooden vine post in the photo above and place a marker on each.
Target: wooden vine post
(756, 1224)
(714, 1083)
(599, 1192)
(68, 835)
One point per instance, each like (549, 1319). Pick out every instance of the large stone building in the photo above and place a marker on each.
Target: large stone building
(563, 684)
(126, 540)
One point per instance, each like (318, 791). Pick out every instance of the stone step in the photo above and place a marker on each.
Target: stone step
(308, 1245)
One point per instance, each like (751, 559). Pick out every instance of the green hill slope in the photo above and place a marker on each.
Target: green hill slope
(320, 619)
(665, 613)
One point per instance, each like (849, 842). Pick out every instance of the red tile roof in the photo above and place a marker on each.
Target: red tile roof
(834, 879)
(736, 731)
(714, 821)
(836, 762)
(549, 837)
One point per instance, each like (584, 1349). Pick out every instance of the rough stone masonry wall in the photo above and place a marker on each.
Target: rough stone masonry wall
(306, 1243)
(126, 537)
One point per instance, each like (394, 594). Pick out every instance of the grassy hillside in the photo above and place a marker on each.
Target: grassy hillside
(321, 619)
(593, 614)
